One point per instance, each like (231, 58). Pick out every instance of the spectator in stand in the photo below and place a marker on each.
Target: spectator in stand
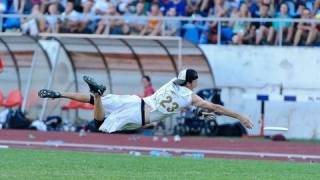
(221, 9)
(137, 25)
(148, 89)
(253, 6)
(153, 28)
(172, 27)
(241, 29)
(165, 5)
(70, 19)
(11, 23)
(305, 30)
(101, 7)
(287, 28)
(112, 26)
(52, 20)
(88, 19)
(262, 28)
(34, 24)
(179, 5)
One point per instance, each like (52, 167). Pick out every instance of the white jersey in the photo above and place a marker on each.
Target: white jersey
(168, 100)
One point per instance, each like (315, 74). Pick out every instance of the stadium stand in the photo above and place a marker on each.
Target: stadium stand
(156, 17)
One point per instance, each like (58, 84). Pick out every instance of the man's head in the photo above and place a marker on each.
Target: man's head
(140, 8)
(88, 6)
(53, 9)
(155, 9)
(187, 78)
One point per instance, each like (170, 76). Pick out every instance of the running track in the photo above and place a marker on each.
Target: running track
(236, 148)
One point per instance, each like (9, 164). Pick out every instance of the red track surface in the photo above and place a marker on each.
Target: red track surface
(244, 145)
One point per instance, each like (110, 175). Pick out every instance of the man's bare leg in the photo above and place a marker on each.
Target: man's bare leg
(97, 90)
(98, 113)
(82, 97)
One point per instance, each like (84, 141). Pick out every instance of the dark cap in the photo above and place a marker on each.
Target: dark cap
(186, 75)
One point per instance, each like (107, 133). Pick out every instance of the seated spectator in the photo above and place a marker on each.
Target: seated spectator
(153, 28)
(180, 7)
(148, 89)
(52, 20)
(33, 25)
(88, 20)
(253, 6)
(112, 26)
(172, 27)
(11, 23)
(70, 19)
(101, 7)
(262, 28)
(241, 29)
(137, 25)
(287, 28)
(305, 30)
(221, 9)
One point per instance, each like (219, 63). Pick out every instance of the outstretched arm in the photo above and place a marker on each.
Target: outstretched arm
(199, 102)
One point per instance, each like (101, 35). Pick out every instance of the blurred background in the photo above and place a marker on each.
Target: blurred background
(257, 57)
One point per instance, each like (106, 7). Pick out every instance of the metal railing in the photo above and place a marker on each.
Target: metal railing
(218, 20)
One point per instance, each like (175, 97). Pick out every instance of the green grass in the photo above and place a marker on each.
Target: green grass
(41, 164)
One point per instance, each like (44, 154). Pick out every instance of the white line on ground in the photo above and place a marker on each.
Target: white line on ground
(3, 147)
(175, 150)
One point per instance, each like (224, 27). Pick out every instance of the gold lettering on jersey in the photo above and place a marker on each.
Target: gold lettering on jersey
(168, 104)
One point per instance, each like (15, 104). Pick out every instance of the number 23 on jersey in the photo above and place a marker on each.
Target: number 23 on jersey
(168, 104)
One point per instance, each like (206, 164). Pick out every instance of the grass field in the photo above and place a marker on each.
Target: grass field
(42, 164)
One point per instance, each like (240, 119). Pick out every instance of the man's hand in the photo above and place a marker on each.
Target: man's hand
(246, 122)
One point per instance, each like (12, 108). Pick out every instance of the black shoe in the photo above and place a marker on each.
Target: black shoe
(94, 86)
(47, 93)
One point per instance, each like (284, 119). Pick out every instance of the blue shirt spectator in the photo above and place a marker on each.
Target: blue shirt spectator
(179, 5)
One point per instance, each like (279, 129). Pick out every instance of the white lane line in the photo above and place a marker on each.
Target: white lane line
(176, 150)
(4, 147)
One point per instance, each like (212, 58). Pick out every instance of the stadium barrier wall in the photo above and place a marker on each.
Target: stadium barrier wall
(288, 77)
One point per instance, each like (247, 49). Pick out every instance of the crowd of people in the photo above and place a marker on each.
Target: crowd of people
(86, 16)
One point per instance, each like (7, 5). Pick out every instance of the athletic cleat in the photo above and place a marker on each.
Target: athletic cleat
(47, 93)
(94, 86)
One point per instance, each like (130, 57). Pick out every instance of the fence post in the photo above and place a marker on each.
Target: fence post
(281, 32)
(1, 23)
(219, 33)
